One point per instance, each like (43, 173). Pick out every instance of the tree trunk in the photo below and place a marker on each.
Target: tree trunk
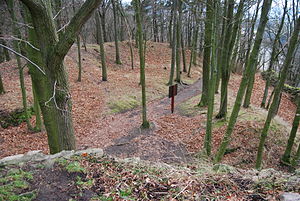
(243, 85)
(273, 56)
(230, 35)
(183, 55)
(101, 44)
(145, 123)
(78, 50)
(196, 29)
(287, 153)
(2, 91)
(172, 70)
(212, 84)
(278, 89)
(10, 5)
(178, 42)
(53, 89)
(79, 58)
(35, 56)
(118, 61)
(207, 54)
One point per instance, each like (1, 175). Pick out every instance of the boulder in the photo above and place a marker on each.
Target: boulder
(289, 197)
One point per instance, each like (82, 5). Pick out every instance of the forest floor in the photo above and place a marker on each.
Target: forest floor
(108, 115)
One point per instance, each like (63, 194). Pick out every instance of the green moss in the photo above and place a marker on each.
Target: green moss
(189, 108)
(291, 87)
(13, 182)
(15, 118)
(123, 104)
(75, 167)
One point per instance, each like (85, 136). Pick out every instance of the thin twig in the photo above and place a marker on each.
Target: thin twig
(20, 55)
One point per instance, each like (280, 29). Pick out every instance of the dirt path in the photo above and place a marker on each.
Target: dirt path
(131, 141)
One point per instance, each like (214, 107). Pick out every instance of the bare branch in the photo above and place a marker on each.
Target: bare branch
(20, 55)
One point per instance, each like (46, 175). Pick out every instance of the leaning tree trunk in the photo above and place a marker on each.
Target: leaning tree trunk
(118, 61)
(35, 56)
(101, 44)
(287, 153)
(53, 88)
(16, 45)
(145, 123)
(243, 85)
(273, 57)
(278, 89)
(207, 54)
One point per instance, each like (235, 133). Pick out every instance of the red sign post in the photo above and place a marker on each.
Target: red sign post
(172, 94)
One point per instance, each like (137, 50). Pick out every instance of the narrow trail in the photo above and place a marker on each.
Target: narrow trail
(131, 141)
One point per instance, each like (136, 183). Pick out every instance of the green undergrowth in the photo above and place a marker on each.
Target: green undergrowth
(13, 185)
(123, 104)
(189, 108)
(15, 117)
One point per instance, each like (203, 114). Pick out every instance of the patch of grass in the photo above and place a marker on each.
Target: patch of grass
(14, 182)
(219, 123)
(15, 118)
(189, 108)
(75, 167)
(84, 184)
(123, 104)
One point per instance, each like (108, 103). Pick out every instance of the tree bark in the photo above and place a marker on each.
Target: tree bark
(2, 91)
(118, 61)
(207, 53)
(173, 43)
(287, 153)
(178, 42)
(101, 44)
(212, 84)
(145, 123)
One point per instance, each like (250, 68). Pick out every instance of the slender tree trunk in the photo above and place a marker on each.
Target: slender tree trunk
(16, 45)
(193, 49)
(212, 84)
(207, 54)
(118, 61)
(178, 42)
(79, 58)
(78, 50)
(243, 85)
(230, 35)
(278, 89)
(183, 55)
(2, 91)
(101, 44)
(287, 153)
(172, 70)
(273, 58)
(145, 123)
(35, 56)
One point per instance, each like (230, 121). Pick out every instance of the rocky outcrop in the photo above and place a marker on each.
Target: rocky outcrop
(38, 156)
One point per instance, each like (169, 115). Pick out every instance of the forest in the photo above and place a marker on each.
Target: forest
(149, 100)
